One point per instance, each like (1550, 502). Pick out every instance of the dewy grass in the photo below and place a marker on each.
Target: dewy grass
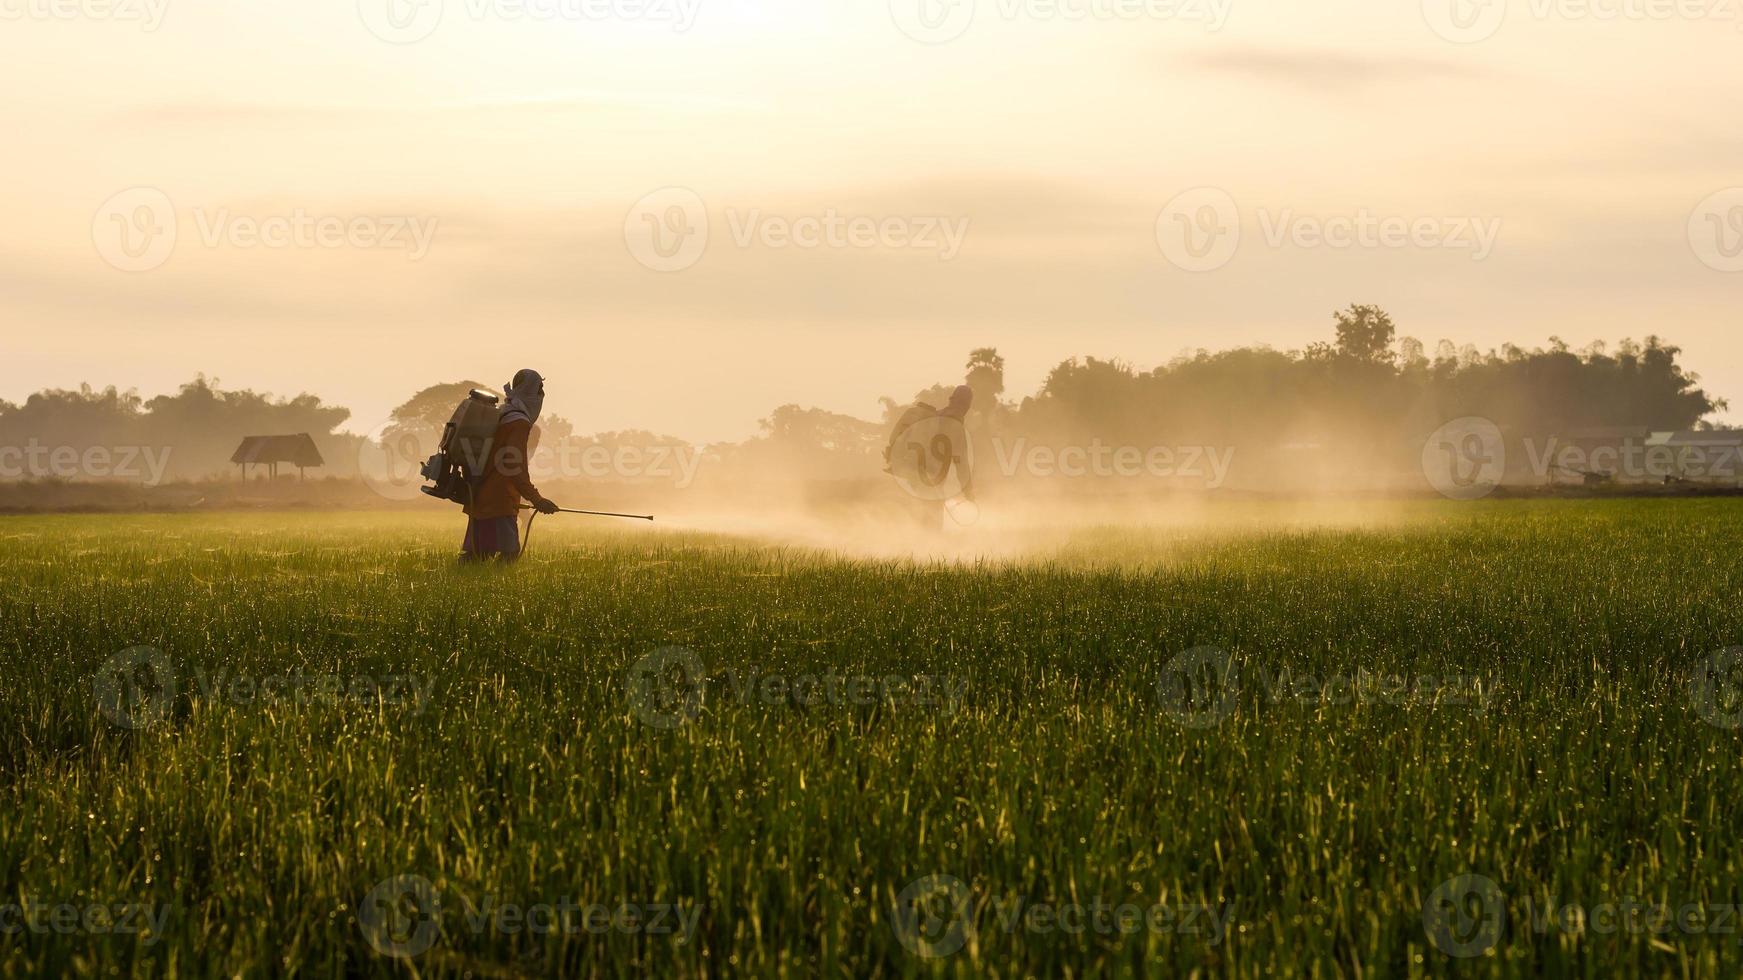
(1488, 740)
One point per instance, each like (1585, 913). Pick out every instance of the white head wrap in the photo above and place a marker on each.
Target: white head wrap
(526, 396)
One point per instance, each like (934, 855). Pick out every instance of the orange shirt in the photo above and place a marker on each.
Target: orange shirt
(506, 482)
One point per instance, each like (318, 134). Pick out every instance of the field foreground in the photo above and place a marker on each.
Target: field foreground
(1496, 739)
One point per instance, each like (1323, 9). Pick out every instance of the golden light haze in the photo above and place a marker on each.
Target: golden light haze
(1588, 136)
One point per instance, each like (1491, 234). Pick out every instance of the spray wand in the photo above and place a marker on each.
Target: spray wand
(586, 513)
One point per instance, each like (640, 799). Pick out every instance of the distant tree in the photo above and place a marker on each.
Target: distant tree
(78, 418)
(431, 408)
(791, 426)
(204, 423)
(198, 427)
(1365, 334)
(1410, 354)
(986, 375)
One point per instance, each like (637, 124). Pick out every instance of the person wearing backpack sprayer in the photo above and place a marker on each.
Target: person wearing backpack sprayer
(933, 464)
(493, 514)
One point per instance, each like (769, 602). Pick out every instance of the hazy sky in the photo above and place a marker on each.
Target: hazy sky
(360, 198)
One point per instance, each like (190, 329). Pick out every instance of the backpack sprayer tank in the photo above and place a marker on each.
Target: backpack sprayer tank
(458, 467)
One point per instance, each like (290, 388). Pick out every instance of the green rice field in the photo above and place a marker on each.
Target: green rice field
(1491, 739)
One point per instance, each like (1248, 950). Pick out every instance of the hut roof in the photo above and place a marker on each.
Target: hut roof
(297, 450)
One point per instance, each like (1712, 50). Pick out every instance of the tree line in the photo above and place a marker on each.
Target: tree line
(1366, 393)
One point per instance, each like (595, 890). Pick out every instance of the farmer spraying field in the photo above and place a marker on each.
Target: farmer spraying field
(930, 458)
(493, 512)
(483, 465)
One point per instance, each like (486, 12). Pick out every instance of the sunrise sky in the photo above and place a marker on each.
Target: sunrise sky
(1598, 144)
